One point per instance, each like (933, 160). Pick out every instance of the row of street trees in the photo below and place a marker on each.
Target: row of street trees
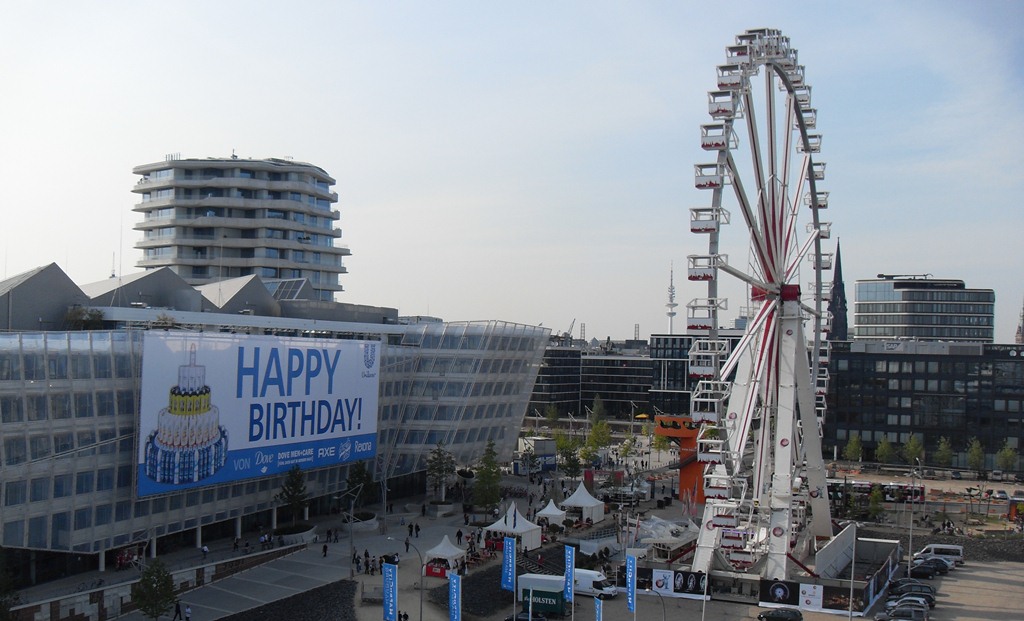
(887, 453)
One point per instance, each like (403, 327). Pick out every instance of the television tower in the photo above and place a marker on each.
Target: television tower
(671, 306)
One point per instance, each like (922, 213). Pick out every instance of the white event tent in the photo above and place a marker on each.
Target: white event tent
(446, 550)
(553, 514)
(513, 524)
(582, 503)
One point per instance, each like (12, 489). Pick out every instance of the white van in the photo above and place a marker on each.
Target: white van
(593, 583)
(944, 551)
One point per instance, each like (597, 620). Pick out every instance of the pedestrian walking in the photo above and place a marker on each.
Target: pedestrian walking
(410, 529)
(423, 510)
(329, 534)
(417, 531)
(206, 550)
(406, 545)
(458, 537)
(325, 550)
(465, 518)
(177, 610)
(188, 613)
(235, 548)
(336, 535)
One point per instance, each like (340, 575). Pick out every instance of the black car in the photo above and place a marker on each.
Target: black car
(781, 614)
(938, 565)
(903, 589)
(900, 582)
(924, 570)
(525, 616)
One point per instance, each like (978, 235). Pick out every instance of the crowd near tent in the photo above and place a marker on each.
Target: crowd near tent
(582, 505)
(553, 514)
(513, 524)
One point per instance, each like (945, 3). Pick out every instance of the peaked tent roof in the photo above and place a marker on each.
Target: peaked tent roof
(513, 522)
(446, 550)
(551, 511)
(581, 498)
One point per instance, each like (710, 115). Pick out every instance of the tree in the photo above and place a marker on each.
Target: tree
(854, 449)
(628, 448)
(587, 453)
(530, 461)
(597, 410)
(293, 492)
(884, 452)
(487, 488)
(975, 454)
(440, 466)
(154, 592)
(943, 455)
(660, 443)
(600, 435)
(359, 478)
(1006, 458)
(551, 414)
(571, 466)
(875, 506)
(913, 450)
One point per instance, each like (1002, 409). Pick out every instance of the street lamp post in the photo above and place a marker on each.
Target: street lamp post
(662, 598)
(421, 573)
(354, 493)
(913, 497)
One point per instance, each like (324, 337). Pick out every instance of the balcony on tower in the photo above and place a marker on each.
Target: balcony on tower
(717, 137)
(818, 171)
(707, 403)
(707, 219)
(822, 199)
(813, 144)
(722, 104)
(730, 77)
(708, 176)
(701, 267)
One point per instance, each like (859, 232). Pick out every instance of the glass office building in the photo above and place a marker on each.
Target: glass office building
(923, 308)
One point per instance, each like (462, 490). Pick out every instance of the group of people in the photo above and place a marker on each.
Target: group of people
(366, 564)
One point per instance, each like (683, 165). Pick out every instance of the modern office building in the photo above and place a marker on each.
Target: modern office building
(920, 307)
(896, 388)
(88, 468)
(571, 378)
(211, 219)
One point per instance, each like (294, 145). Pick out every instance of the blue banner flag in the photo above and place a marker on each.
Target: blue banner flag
(390, 577)
(631, 583)
(508, 564)
(455, 598)
(598, 608)
(570, 571)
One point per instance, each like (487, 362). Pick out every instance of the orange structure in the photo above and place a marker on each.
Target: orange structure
(682, 430)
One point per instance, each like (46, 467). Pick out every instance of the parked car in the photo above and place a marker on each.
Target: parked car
(927, 598)
(995, 475)
(913, 588)
(896, 583)
(955, 475)
(903, 614)
(948, 562)
(923, 571)
(781, 614)
(1001, 495)
(935, 563)
(896, 602)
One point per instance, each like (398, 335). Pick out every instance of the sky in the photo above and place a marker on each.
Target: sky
(523, 161)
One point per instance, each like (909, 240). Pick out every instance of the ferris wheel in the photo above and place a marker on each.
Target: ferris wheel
(760, 400)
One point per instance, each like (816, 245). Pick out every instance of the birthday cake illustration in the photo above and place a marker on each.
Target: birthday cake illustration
(189, 443)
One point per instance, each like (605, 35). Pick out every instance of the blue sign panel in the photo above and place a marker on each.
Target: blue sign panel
(219, 408)
(455, 598)
(389, 574)
(598, 608)
(508, 565)
(570, 571)
(631, 583)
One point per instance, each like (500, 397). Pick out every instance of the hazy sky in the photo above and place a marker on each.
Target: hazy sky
(526, 161)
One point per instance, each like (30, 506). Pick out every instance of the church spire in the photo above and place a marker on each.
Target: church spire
(837, 305)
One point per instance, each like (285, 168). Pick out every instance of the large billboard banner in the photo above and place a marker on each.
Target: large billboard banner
(218, 408)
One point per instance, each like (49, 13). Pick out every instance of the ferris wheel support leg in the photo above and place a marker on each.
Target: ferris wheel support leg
(821, 514)
(784, 446)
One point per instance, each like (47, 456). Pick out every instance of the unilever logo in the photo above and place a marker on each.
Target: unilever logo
(369, 355)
